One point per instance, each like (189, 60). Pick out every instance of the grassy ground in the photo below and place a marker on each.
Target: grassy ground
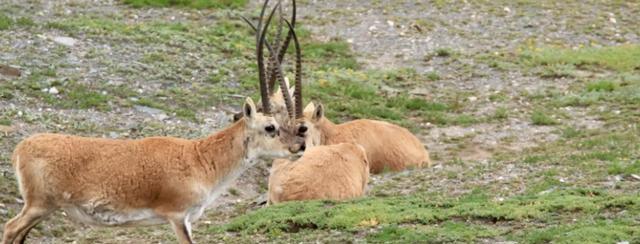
(528, 108)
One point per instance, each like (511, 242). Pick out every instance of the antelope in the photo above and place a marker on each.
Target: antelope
(388, 146)
(156, 180)
(332, 172)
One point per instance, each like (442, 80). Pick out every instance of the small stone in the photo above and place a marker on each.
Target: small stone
(421, 91)
(373, 28)
(390, 23)
(472, 99)
(507, 9)
(53, 90)
(612, 20)
(635, 176)
(9, 71)
(6, 129)
(154, 112)
(65, 41)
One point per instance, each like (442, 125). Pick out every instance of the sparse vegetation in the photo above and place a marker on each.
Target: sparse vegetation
(422, 211)
(547, 151)
(539, 117)
(618, 58)
(5, 22)
(198, 4)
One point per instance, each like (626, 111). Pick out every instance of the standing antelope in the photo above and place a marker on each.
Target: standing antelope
(334, 172)
(149, 181)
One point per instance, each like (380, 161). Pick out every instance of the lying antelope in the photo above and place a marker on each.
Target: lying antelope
(149, 181)
(333, 172)
(388, 146)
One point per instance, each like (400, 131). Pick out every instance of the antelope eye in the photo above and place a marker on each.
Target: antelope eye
(302, 129)
(270, 128)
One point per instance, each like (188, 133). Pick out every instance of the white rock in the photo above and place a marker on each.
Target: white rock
(612, 20)
(507, 9)
(373, 28)
(390, 23)
(53, 90)
(65, 41)
(473, 99)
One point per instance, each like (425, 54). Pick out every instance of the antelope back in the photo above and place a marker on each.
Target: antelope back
(332, 172)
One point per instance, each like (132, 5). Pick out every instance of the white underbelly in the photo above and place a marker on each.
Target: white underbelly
(106, 217)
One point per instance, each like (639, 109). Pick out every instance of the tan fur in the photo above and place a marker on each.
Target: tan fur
(388, 146)
(334, 172)
(135, 182)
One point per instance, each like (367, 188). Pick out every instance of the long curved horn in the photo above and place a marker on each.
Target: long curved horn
(282, 49)
(276, 44)
(297, 93)
(264, 89)
(283, 86)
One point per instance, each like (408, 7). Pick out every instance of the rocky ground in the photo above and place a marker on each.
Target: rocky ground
(513, 98)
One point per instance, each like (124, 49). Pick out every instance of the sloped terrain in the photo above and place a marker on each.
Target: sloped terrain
(528, 108)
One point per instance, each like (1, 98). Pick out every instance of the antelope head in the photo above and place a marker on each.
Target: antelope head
(279, 103)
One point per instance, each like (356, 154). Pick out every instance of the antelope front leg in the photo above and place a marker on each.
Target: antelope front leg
(17, 228)
(182, 228)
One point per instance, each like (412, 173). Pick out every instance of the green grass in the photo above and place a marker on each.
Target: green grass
(197, 4)
(446, 232)
(601, 86)
(330, 72)
(501, 114)
(622, 58)
(539, 117)
(5, 22)
(408, 217)
(349, 94)
(335, 53)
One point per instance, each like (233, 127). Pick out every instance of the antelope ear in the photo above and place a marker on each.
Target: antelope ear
(308, 110)
(249, 109)
(318, 113)
(286, 82)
